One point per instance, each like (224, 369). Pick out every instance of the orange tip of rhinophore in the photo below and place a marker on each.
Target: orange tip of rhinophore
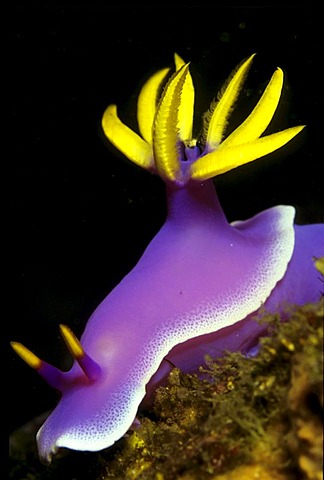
(29, 357)
(72, 342)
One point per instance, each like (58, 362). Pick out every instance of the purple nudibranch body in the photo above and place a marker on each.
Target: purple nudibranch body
(196, 287)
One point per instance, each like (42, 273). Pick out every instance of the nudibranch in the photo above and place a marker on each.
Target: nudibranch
(200, 280)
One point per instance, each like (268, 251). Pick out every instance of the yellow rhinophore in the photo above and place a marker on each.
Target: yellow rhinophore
(71, 341)
(29, 357)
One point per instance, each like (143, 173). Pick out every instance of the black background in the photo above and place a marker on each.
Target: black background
(80, 215)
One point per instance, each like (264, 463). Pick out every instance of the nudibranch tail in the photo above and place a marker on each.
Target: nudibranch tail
(52, 375)
(91, 369)
(167, 147)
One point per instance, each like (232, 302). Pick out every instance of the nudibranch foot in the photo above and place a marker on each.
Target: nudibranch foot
(200, 282)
